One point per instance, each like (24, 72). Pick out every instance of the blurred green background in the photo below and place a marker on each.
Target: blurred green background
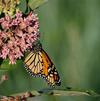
(70, 34)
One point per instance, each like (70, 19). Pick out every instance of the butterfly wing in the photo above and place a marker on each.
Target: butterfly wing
(33, 64)
(49, 71)
(39, 64)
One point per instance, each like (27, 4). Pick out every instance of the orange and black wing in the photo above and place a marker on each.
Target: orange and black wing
(49, 71)
(39, 64)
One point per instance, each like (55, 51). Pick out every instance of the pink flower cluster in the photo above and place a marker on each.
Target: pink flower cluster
(17, 34)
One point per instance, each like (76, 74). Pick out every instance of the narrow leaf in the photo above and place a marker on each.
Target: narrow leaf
(23, 6)
(36, 3)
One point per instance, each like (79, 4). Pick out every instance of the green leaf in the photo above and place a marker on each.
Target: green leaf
(6, 66)
(35, 3)
(23, 6)
(5, 69)
(28, 10)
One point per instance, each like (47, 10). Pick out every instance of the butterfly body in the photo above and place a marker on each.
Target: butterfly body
(38, 64)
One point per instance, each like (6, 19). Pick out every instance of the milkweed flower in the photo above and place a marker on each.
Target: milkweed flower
(17, 34)
(9, 6)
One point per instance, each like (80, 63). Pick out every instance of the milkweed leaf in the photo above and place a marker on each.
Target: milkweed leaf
(36, 3)
(23, 6)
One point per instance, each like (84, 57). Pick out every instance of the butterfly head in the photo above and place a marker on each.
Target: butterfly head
(37, 46)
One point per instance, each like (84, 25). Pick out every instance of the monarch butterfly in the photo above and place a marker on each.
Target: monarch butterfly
(38, 64)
